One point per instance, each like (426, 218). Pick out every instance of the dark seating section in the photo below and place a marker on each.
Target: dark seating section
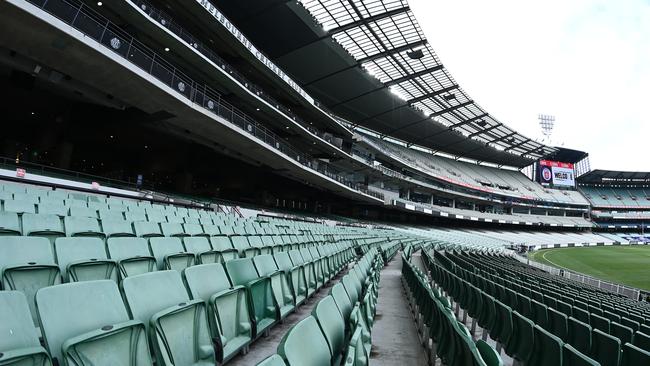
(171, 284)
(442, 335)
(576, 324)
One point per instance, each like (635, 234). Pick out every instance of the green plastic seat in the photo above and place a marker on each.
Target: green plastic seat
(621, 332)
(273, 360)
(244, 248)
(605, 348)
(9, 224)
(202, 249)
(223, 245)
(579, 335)
(355, 354)
(19, 344)
(503, 326)
(558, 324)
(111, 215)
(155, 215)
(135, 216)
(547, 350)
(48, 226)
(296, 274)
(642, 340)
(350, 285)
(97, 321)
(488, 354)
(170, 253)
(84, 259)
(145, 229)
(132, 255)
(280, 283)
(583, 316)
(27, 265)
(228, 309)
(316, 267)
(194, 229)
(210, 229)
(573, 357)
(83, 212)
(634, 356)
(51, 208)
(332, 325)
(117, 228)
(178, 328)
(308, 269)
(599, 322)
(520, 344)
(171, 229)
(540, 314)
(262, 303)
(82, 226)
(305, 345)
(20, 207)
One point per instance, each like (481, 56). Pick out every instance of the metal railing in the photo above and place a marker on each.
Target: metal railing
(100, 29)
(167, 21)
(629, 292)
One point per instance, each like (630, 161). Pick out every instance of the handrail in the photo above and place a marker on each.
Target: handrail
(167, 21)
(97, 27)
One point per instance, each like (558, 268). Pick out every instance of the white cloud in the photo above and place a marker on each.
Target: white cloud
(586, 62)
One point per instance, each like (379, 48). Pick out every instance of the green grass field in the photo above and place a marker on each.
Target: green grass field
(628, 265)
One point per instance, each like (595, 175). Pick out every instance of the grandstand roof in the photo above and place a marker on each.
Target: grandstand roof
(599, 176)
(368, 61)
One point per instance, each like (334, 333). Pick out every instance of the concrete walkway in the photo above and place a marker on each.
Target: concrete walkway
(266, 346)
(394, 336)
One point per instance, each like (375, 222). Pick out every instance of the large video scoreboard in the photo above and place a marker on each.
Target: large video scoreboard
(556, 174)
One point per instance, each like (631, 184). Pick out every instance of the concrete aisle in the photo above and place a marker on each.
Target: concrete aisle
(394, 337)
(266, 346)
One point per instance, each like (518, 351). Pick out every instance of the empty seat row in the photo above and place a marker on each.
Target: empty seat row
(537, 334)
(339, 329)
(167, 316)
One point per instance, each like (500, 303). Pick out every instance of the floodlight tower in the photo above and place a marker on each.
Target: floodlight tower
(546, 122)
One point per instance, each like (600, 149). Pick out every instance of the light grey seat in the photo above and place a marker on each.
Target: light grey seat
(86, 323)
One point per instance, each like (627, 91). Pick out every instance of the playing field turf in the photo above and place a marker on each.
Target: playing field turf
(628, 265)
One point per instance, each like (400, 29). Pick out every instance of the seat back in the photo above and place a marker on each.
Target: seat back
(305, 345)
(642, 340)
(17, 331)
(342, 300)
(241, 271)
(547, 348)
(265, 264)
(633, 356)
(621, 332)
(579, 335)
(205, 280)
(160, 300)
(82, 226)
(131, 254)
(170, 253)
(27, 265)
(84, 259)
(605, 348)
(9, 223)
(573, 357)
(118, 228)
(331, 324)
(80, 321)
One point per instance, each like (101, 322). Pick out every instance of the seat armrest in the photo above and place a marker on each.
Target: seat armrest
(15, 355)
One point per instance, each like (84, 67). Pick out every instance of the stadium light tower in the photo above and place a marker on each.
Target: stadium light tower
(546, 122)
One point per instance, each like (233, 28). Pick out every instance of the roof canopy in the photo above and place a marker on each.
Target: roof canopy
(369, 62)
(614, 177)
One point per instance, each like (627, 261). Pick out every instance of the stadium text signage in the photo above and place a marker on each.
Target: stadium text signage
(556, 173)
(221, 18)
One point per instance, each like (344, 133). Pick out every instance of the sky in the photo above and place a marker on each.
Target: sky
(585, 62)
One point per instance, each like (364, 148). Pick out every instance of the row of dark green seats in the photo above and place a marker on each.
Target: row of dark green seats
(598, 303)
(534, 334)
(338, 332)
(441, 333)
